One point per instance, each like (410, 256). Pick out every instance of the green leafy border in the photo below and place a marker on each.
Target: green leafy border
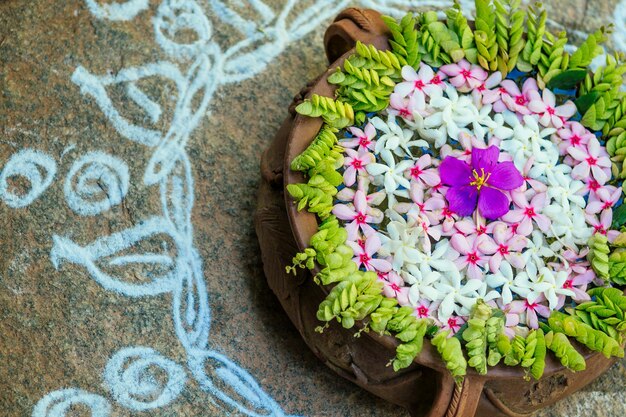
(505, 38)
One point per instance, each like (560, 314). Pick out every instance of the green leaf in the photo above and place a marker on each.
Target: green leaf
(619, 217)
(584, 103)
(567, 80)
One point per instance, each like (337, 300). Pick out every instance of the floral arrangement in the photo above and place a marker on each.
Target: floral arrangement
(468, 185)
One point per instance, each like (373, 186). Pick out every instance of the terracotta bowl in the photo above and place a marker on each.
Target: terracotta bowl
(425, 388)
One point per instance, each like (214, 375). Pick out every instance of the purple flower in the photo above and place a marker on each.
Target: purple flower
(480, 183)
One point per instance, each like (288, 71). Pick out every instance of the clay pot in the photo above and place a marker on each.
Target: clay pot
(425, 388)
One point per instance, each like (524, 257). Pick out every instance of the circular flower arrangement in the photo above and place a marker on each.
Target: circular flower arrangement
(466, 187)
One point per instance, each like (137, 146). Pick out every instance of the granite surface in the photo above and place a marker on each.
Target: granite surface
(59, 325)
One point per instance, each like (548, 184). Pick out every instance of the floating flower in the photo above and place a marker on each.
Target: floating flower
(356, 163)
(361, 138)
(480, 183)
(465, 76)
(551, 114)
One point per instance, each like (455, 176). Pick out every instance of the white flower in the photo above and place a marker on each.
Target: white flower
(401, 241)
(569, 226)
(394, 138)
(437, 136)
(458, 297)
(441, 258)
(537, 250)
(550, 284)
(529, 140)
(510, 284)
(422, 280)
(453, 112)
(564, 189)
(391, 175)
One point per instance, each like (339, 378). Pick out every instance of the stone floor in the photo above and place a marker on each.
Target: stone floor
(79, 288)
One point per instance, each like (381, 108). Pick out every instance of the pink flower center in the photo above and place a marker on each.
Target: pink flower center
(422, 311)
(419, 84)
(357, 164)
(481, 230)
(600, 229)
(466, 73)
(530, 212)
(364, 258)
(591, 161)
(395, 287)
(504, 250)
(594, 185)
(514, 228)
(473, 258)
(364, 141)
(436, 80)
(481, 88)
(416, 172)
(520, 100)
(453, 323)
(569, 283)
(551, 111)
(446, 212)
(360, 218)
(361, 243)
(607, 205)
(530, 306)
(575, 140)
(405, 113)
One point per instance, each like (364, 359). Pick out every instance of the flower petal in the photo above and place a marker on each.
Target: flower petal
(505, 176)
(455, 172)
(485, 158)
(462, 200)
(492, 203)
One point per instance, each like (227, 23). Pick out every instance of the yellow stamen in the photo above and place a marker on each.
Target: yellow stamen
(480, 180)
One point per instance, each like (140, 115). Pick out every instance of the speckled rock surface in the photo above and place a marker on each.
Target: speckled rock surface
(59, 325)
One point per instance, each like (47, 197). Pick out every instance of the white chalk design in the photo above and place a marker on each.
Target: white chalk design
(129, 377)
(114, 10)
(36, 167)
(96, 182)
(58, 403)
(162, 246)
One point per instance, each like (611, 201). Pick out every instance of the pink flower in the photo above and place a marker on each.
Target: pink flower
(487, 93)
(360, 216)
(603, 225)
(421, 172)
(374, 199)
(405, 107)
(514, 99)
(578, 285)
(393, 287)
(465, 77)
(427, 207)
(527, 212)
(593, 159)
(504, 245)
(454, 324)
(362, 138)
(423, 309)
(573, 134)
(530, 310)
(356, 163)
(419, 84)
(537, 186)
(605, 198)
(472, 257)
(549, 112)
(364, 251)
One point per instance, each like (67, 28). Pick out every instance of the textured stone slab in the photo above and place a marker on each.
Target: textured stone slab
(59, 326)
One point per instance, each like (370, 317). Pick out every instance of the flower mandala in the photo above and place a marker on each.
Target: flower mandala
(465, 196)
